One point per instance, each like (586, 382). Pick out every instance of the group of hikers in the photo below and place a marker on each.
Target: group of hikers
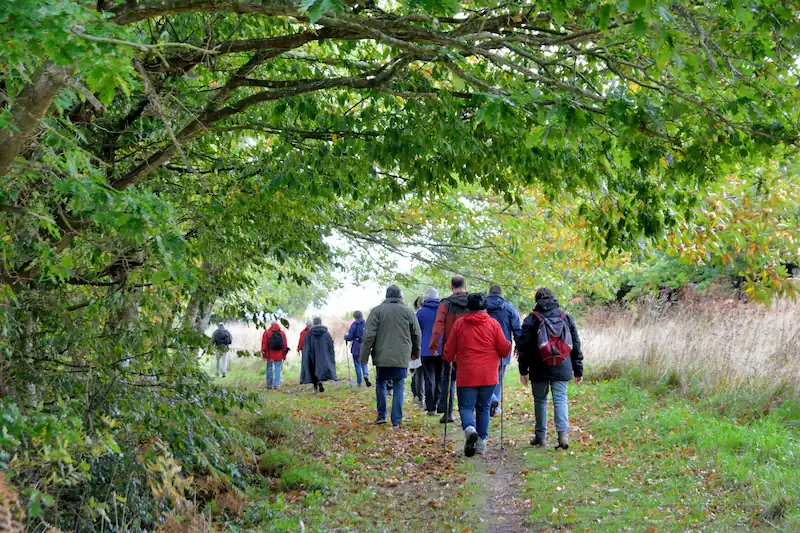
(457, 348)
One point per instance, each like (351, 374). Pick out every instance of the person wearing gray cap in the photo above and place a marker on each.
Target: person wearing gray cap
(222, 340)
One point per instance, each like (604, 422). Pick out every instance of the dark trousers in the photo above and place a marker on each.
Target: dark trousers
(418, 384)
(432, 369)
(447, 395)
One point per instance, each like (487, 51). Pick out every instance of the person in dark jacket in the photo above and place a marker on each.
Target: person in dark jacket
(450, 309)
(476, 344)
(221, 338)
(391, 338)
(415, 366)
(431, 361)
(543, 377)
(354, 337)
(508, 318)
(319, 356)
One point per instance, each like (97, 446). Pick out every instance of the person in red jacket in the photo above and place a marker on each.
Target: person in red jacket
(274, 348)
(476, 344)
(450, 309)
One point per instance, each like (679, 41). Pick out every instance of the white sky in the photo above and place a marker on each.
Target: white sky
(355, 295)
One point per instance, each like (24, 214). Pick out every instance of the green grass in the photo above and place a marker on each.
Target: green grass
(646, 462)
(650, 452)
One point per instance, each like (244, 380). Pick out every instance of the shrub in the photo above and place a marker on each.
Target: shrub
(274, 462)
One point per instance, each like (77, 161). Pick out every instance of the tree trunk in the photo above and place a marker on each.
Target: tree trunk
(28, 111)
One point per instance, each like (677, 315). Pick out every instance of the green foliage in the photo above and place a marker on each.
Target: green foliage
(191, 153)
(304, 478)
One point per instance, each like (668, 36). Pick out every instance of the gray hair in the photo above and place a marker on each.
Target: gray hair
(309, 323)
(394, 292)
(431, 294)
(317, 321)
(274, 322)
(221, 325)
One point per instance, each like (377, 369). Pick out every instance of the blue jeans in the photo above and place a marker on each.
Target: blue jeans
(397, 399)
(560, 408)
(361, 368)
(274, 367)
(473, 406)
(500, 373)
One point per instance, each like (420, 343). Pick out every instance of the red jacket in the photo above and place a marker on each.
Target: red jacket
(273, 355)
(450, 309)
(476, 344)
(302, 338)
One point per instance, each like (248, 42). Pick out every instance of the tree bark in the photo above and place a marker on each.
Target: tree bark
(28, 111)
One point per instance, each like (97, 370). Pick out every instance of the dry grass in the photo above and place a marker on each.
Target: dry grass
(719, 342)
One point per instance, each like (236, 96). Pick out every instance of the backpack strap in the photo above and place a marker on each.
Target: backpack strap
(563, 316)
(538, 316)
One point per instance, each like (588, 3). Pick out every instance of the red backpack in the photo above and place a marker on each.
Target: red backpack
(553, 339)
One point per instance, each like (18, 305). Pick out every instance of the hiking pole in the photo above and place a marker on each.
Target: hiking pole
(502, 407)
(447, 405)
(349, 374)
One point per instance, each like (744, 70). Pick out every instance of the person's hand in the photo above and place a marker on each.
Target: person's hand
(414, 357)
(579, 379)
(523, 380)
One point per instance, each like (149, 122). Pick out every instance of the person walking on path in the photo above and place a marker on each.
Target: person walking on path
(274, 348)
(319, 356)
(392, 338)
(549, 356)
(222, 339)
(508, 318)
(431, 361)
(450, 309)
(300, 342)
(355, 336)
(477, 345)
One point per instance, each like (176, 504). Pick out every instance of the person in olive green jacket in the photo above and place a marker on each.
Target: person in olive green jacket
(392, 337)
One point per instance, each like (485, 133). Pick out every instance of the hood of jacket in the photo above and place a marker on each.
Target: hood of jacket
(274, 327)
(431, 304)
(316, 331)
(547, 307)
(494, 302)
(473, 318)
(458, 299)
(359, 320)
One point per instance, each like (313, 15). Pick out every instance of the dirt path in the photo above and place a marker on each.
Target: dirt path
(505, 507)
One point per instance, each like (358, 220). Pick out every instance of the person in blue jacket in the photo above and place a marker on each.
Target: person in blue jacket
(354, 337)
(504, 313)
(431, 362)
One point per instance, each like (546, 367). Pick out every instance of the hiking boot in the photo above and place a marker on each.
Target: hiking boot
(539, 441)
(493, 407)
(223, 375)
(447, 419)
(470, 441)
(321, 388)
(563, 440)
(316, 387)
(481, 447)
(380, 421)
(366, 380)
(431, 413)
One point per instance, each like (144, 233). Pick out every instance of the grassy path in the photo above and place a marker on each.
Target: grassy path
(639, 462)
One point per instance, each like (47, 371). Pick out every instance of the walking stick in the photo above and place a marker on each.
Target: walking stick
(349, 375)
(448, 405)
(502, 407)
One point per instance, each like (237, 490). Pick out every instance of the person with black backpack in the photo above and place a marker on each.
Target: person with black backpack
(450, 309)
(274, 349)
(355, 336)
(549, 356)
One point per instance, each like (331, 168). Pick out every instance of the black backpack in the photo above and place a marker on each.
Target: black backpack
(275, 340)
